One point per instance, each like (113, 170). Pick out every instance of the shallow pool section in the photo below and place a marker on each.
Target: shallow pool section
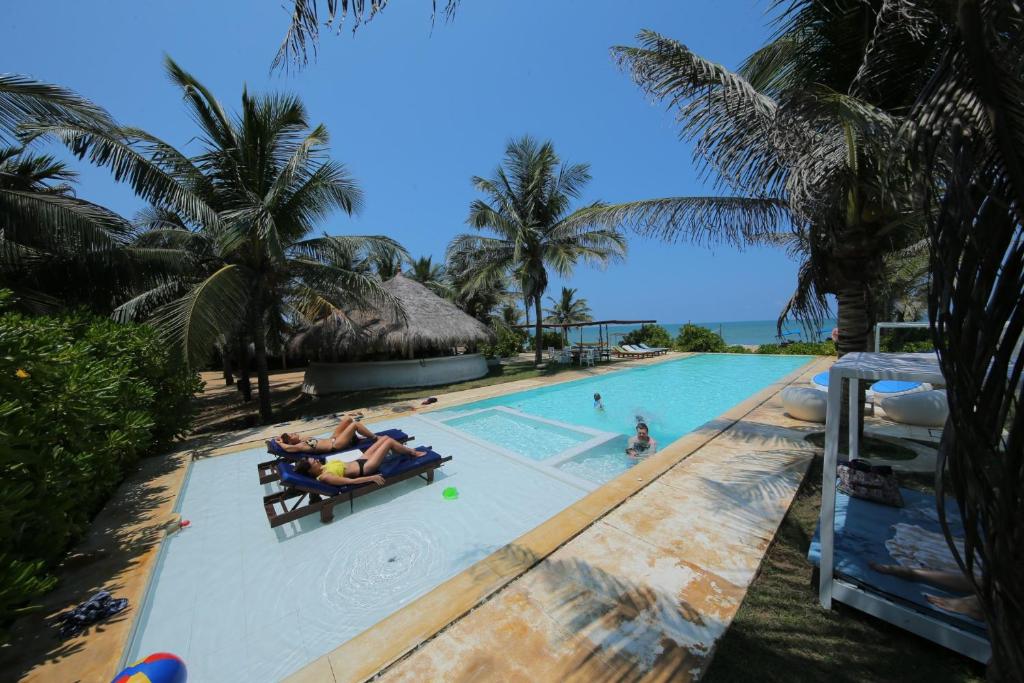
(601, 463)
(528, 436)
(238, 600)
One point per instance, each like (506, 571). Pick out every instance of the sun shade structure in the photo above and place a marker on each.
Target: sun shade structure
(431, 326)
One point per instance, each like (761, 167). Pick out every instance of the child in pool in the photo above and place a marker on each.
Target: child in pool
(598, 403)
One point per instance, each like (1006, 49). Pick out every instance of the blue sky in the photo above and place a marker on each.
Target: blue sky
(414, 113)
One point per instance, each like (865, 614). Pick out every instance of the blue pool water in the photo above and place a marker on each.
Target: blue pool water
(673, 398)
(531, 438)
(238, 600)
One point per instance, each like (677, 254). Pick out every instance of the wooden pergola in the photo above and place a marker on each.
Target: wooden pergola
(603, 338)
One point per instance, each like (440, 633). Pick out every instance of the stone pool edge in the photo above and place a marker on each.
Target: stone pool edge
(404, 631)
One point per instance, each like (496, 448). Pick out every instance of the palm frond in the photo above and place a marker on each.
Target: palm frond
(214, 307)
(24, 100)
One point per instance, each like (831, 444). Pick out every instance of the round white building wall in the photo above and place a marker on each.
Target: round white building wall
(331, 378)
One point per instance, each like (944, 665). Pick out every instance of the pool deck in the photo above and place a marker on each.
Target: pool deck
(638, 579)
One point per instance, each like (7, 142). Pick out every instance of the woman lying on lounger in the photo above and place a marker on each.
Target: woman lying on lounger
(343, 438)
(361, 471)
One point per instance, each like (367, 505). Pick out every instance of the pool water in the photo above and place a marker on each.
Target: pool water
(533, 439)
(673, 398)
(238, 600)
(602, 463)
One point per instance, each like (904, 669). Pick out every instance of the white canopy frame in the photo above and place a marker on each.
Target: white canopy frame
(855, 368)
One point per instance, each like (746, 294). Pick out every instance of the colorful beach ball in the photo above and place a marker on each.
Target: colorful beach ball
(161, 667)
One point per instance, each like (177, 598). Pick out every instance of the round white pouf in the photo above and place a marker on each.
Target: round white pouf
(923, 408)
(804, 403)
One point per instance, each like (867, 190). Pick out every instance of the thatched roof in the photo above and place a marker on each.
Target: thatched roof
(431, 324)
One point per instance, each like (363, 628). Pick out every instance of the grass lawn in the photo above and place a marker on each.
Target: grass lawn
(782, 634)
(224, 410)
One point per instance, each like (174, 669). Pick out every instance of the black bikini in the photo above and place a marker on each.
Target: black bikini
(361, 462)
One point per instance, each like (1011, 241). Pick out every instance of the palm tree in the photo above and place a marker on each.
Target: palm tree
(566, 311)
(56, 250)
(304, 31)
(527, 209)
(432, 275)
(811, 157)
(967, 132)
(240, 214)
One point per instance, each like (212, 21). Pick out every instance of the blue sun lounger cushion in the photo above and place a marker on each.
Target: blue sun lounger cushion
(885, 386)
(391, 467)
(274, 448)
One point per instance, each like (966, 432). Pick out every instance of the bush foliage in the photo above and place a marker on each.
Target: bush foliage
(737, 348)
(508, 342)
(81, 399)
(825, 348)
(548, 339)
(698, 338)
(650, 334)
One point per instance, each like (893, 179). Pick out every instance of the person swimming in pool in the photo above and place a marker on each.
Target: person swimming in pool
(598, 403)
(642, 444)
(343, 437)
(361, 471)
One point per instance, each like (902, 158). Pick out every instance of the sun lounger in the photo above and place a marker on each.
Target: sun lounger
(268, 470)
(301, 495)
(638, 349)
(654, 349)
(622, 352)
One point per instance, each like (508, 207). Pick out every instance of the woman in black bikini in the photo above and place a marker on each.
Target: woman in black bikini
(342, 439)
(361, 471)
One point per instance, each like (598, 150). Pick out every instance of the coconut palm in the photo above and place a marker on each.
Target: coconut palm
(304, 31)
(240, 214)
(812, 158)
(430, 274)
(527, 210)
(56, 250)
(567, 311)
(967, 129)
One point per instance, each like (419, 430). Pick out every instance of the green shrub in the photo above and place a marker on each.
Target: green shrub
(507, 343)
(650, 334)
(548, 339)
(908, 340)
(825, 348)
(82, 399)
(698, 338)
(736, 348)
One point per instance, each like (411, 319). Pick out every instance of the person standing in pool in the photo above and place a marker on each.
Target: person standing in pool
(361, 471)
(642, 444)
(598, 403)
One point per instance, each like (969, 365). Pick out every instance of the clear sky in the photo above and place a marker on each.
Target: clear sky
(414, 113)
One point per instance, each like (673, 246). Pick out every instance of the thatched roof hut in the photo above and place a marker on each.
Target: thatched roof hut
(432, 326)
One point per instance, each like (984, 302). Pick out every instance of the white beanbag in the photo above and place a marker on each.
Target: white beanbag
(804, 403)
(924, 408)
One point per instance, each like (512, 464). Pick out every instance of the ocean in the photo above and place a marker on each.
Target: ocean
(736, 332)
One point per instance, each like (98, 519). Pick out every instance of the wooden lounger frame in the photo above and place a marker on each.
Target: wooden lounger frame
(317, 502)
(268, 470)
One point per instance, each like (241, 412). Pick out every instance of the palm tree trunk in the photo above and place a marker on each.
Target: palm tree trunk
(225, 358)
(242, 356)
(526, 309)
(854, 331)
(538, 336)
(262, 372)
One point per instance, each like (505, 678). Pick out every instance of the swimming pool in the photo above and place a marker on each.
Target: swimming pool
(241, 601)
(673, 398)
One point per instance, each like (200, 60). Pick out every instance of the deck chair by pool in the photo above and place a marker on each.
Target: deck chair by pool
(653, 349)
(301, 495)
(626, 353)
(268, 470)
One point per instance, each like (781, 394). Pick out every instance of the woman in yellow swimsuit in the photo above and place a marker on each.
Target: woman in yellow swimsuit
(343, 437)
(361, 471)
